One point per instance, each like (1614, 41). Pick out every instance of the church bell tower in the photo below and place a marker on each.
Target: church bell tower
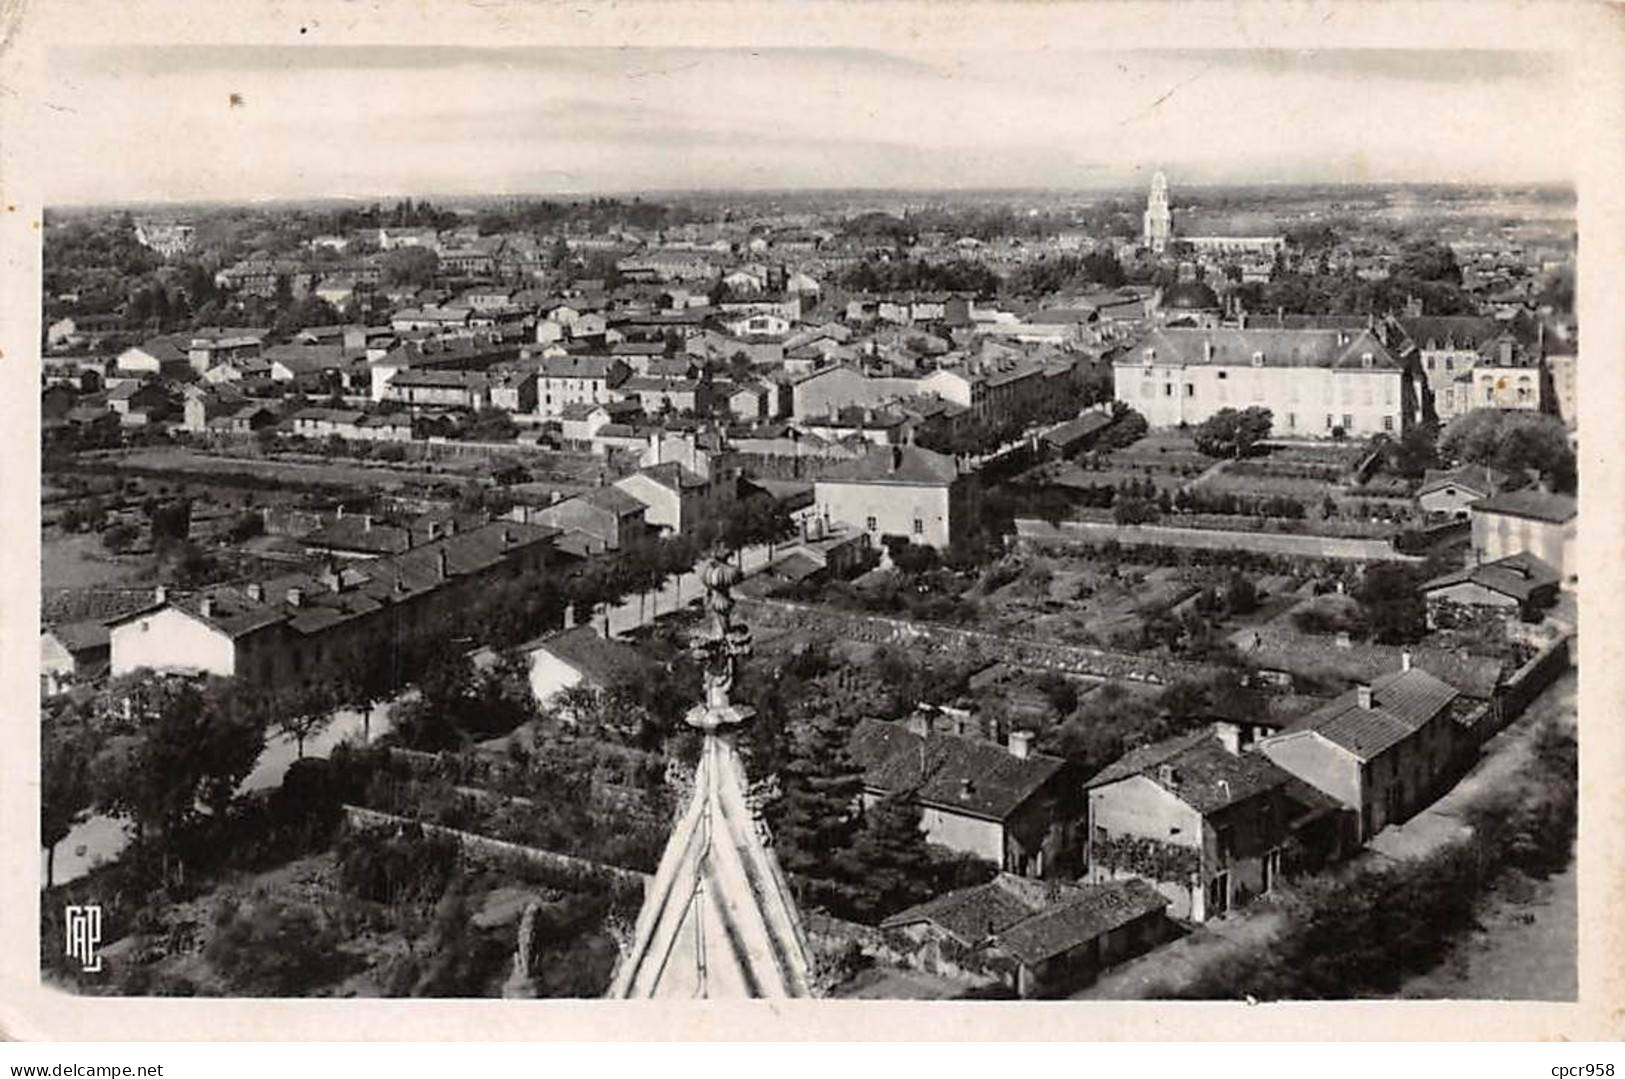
(1159, 219)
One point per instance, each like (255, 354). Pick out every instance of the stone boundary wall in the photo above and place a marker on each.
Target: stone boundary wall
(1291, 545)
(499, 849)
(1094, 663)
(1528, 681)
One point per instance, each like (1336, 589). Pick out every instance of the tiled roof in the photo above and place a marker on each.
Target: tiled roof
(1478, 479)
(328, 415)
(81, 636)
(432, 379)
(1439, 331)
(355, 533)
(1518, 575)
(613, 499)
(311, 358)
(363, 589)
(1531, 503)
(1204, 775)
(975, 913)
(1401, 704)
(660, 385)
(578, 366)
(903, 465)
(1100, 909)
(1081, 427)
(1034, 920)
(963, 774)
(1272, 648)
(1280, 348)
(672, 475)
(603, 661)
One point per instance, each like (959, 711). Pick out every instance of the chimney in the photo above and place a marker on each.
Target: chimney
(1207, 351)
(296, 597)
(1363, 691)
(1405, 659)
(896, 457)
(966, 789)
(366, 522)
(507, 538)
(1504, 348)
(1229, 737)
(434, 529)
(205, 607)
(1021, 744)
(441, 564)
(1167, 775)
(160, 594)
(918, 723)
(255, 591)
(451, 526)
(1343, 639)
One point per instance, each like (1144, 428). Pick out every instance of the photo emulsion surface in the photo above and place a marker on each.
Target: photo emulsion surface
(808, 523)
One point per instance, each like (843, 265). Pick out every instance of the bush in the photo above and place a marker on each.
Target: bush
(120, 537)
(274, 949)
(1136, 510)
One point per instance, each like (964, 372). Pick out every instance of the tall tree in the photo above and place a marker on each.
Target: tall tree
(180, 748)
(818, 813)
(892, 865)
(65, 790)
(1229, 433)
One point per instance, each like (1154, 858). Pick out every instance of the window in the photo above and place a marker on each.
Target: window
(1449, 364)
(1292, 421)
(1190, 389)
(1387, 423)
(1167, 389)
(1272, 869)
(1218, 895)
(1365, 359)
(1348, 422)
(1330, 421)
(1224, 374)
(919, 527)
(871, 525)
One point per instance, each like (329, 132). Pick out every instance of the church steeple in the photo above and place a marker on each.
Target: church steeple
(718, 920)
(1159, 218)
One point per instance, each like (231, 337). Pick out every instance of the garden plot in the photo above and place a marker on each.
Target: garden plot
(1234, 477)
(1082, 604)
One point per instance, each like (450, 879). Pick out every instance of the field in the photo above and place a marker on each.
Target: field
(80, 561)
(304, 471)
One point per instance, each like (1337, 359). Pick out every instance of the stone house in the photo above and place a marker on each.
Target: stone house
(1208, 822)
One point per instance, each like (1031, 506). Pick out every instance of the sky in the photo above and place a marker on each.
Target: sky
(137, 123)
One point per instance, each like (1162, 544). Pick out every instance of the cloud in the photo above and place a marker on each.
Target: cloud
(317, 120)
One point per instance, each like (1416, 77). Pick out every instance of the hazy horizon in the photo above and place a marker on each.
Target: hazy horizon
(377, 123)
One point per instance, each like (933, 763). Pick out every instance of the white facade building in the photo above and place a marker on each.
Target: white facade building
(1316, 383)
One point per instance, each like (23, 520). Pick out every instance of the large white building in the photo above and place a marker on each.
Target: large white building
(1316, 383)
